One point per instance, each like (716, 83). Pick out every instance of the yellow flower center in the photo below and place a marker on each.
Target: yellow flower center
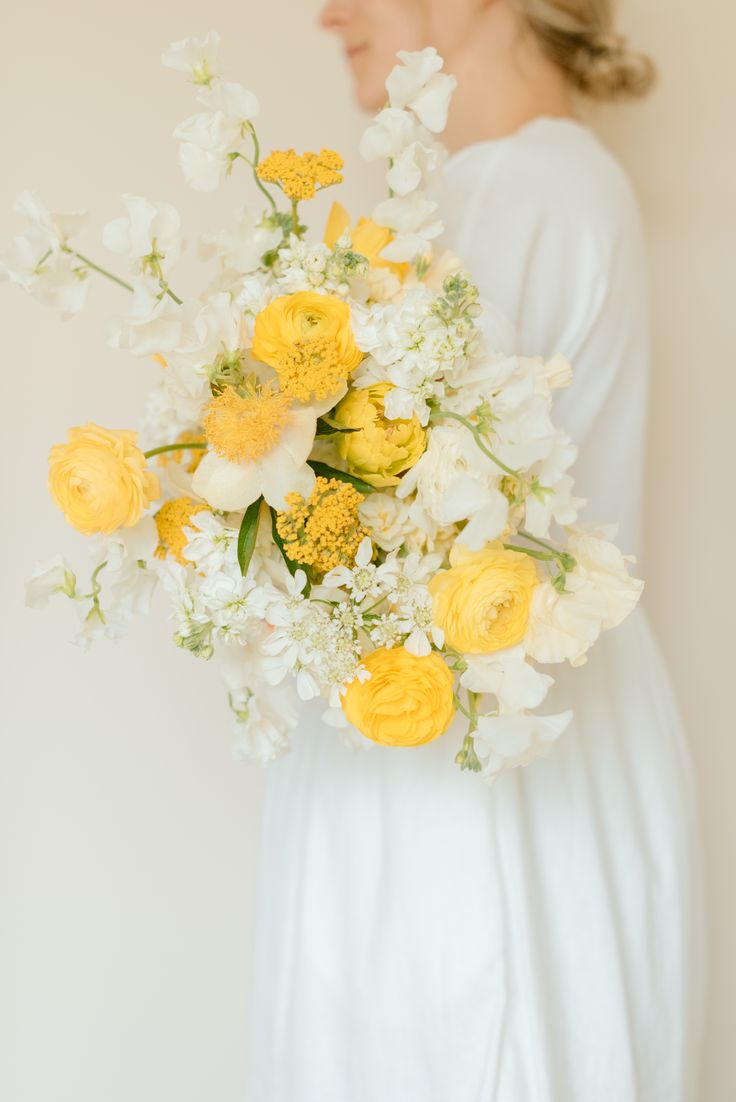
(171, 519)
(311, 369)
(178, 456)
(299, 176)
(325, 531)
(242, 429)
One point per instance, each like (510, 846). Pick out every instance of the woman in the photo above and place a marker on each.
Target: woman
(421, 937)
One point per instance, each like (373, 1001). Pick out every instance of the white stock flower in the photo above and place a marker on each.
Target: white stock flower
(510, 741)
(196, 56)
(150, 230)
(212, 545)
(418, 84)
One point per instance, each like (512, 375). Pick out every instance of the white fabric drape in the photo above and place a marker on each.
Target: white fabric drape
(420, 936)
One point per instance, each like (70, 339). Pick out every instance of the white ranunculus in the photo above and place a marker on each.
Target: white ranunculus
(604, 567)
(511, 741)
(150, 228)
(196, 56)
(418, 84)
(387, 518)
(507, 674)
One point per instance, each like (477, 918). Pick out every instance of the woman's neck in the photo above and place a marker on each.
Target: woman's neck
(503, 83)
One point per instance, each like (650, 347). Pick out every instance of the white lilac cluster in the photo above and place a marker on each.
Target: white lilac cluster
(452, 449)
(404, 134)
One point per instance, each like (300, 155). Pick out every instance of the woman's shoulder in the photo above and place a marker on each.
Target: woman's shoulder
(553, 171)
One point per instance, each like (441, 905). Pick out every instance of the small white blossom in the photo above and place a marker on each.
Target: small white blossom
(196, 56)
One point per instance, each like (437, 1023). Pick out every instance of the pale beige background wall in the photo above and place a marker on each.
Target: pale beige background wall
(128, 832)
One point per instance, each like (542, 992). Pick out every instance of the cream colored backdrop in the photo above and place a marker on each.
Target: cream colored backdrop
(128, 832)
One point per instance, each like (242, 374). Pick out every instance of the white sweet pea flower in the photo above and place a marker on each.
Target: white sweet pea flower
(242, 248)
(390, 131)
(206, 140)
(418, 84)
(264, 719)
(196, 56)
(564, 626)
(510, 741)
(506, 674)
(153, 324)
(51, 576)
(150, 233)
(233, 100)
(411, 217)
(41, 261)
(604, 567)
(553, 499)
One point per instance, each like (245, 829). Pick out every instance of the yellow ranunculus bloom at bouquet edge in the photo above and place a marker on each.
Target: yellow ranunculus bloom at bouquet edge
(100, 480)
(406, 701)
(482, 602)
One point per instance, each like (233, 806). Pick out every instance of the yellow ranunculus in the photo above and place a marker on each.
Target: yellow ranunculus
(380, 450)
(407, 700)
(99, 479)
(307, 339)
(482, 602)
(366, 236)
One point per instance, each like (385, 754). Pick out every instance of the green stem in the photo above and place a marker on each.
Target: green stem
(254, 166)
(96, 267)
(295, 218)
(174, 447)
(442, 413)
(545, 556)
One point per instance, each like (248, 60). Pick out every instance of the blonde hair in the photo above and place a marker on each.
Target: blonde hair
(579, 37)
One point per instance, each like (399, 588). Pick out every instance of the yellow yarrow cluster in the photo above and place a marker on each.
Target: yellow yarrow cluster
(325, 531)
(244, 428)
(171, 520)
(195, 454)
(299, 176)
(311, 369)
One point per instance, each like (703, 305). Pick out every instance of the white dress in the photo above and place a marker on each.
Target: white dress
(421, 937)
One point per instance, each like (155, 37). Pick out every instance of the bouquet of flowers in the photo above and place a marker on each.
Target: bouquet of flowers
(345, 492)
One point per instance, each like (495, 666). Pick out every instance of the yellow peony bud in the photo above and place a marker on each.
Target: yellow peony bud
(380, 450)
(407, 700)
(99, 479)
(307, 339)
(482, 602)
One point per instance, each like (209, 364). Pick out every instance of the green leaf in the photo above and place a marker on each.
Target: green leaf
(247, 535)
(326, 428)
(291, 566)
(325, 471)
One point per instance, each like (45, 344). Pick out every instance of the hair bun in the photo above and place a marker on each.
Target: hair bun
(604, 67)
